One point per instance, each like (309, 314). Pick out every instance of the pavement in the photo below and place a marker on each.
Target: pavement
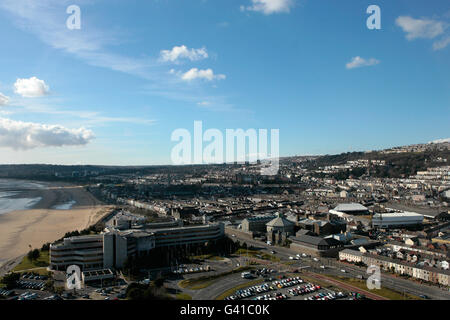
(9, 265)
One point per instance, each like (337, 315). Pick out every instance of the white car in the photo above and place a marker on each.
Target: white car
(291, 258)
(343, 271)
(315, 259)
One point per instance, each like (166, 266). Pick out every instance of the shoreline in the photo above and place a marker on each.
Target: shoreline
(41, 224)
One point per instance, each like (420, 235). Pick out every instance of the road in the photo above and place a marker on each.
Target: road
(214, 290)
(334, 266)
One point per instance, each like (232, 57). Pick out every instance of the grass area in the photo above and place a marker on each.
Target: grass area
(183, 296)
(206, 281)
(384, 292)
(41, 262)
(257, 254)
(201, 284)
(229, 292)
(207, 257)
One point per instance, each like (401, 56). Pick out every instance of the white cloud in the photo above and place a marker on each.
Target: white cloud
(31, 88)
(181, 52)
(269, 6)
(420, 28)
(425, 29)
(203, 103)
(441, 44)
(20, 135)
(440, 140)
(207, 74)
(358, 62)
(3, 99)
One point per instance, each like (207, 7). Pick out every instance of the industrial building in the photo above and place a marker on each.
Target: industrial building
(353, 209)
(316, 246)
(256, 224)
(396, 220)
(280, 225)
(323, 227)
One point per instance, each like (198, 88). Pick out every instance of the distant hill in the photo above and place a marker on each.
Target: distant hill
(400, 161)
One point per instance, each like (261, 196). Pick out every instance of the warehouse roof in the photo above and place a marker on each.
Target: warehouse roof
(350, 207)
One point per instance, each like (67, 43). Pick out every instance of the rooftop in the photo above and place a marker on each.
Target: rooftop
(350, 207)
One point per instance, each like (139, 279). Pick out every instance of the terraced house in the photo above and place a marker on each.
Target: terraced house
(417, 271)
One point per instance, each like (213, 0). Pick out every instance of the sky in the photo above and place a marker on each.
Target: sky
(114, 90)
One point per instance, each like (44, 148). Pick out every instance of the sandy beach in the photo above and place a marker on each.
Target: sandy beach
(42, 223)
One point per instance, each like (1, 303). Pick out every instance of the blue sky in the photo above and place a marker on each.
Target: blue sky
(113, 91)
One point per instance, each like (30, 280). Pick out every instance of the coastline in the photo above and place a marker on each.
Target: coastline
(42, 223)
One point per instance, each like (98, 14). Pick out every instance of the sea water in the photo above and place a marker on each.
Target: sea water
(10, 199)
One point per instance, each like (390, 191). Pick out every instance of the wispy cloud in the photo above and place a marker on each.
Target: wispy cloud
(203, 103)
(3, 100)
(84, 117)
(94, 46)
(269, 6)
(441, 44)
(182, 52)
(207, 74)
(43, 18)
(358, 62)
(425, 28)
(420, 28)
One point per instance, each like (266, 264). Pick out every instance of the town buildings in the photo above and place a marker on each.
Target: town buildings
(414, 270)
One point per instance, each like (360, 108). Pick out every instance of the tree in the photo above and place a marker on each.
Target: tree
(59, 290)
(33, 255)
(49, 285)
(36, 254)
(159, 282)
(10, 280)
(30, 255)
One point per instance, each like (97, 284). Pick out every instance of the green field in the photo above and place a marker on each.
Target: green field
(207, 257)
(42, 263)
(257, 254)
(183, 296)
(384, 292)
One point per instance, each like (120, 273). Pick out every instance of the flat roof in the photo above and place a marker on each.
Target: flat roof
(399, 214)
(350, 207)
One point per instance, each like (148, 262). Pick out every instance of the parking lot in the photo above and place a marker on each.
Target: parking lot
(290, 288)
(32, 286)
